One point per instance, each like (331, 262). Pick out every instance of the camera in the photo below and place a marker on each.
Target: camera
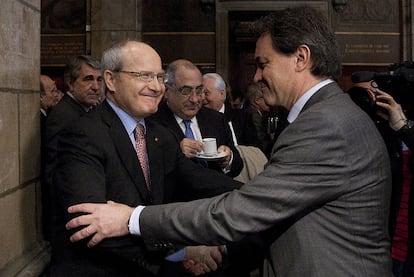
(398, 81)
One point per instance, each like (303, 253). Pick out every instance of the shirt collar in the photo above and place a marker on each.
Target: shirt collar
(86, 108)
(128, 121)
(222, 109)
(298, 106)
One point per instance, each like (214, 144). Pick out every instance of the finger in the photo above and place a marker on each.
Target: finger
(211, 263)
(83, 233)
(97, 238)
(82, 208)
(216, 255)
(207, 268)
(79, 221)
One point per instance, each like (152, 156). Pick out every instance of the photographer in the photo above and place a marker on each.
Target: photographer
(398, 134)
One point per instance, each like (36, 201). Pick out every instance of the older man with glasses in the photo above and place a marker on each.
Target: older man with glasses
(183, 113)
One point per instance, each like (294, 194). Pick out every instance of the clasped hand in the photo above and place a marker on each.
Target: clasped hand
(102, 221)
(202, 259)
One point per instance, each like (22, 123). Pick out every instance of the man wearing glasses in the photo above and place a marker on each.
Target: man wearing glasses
(184, 105)
(114, 153)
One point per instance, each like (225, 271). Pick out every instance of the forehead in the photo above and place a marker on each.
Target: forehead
(209, 82)
(89, 70)
(264, 47)
(141, 57)
(188, 76)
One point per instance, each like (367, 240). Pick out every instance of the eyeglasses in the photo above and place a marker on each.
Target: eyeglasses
(146, 76)
(187, 91)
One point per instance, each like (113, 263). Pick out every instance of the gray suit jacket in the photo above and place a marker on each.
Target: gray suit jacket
(322, 200)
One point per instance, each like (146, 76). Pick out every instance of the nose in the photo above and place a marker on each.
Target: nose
(194, 97)
(155, 85)
(96, 84)
(257, 75)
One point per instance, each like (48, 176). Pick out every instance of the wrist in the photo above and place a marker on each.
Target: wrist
(407, 126)
(397, 125)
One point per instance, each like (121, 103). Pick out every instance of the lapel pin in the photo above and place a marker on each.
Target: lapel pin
(156, 139)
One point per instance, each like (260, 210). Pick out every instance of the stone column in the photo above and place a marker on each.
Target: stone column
(22, 250)
(112, 21)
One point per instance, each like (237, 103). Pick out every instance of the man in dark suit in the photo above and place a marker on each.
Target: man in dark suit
(323, 199)
(244, 132)
(49, 97)
(184, 102)
(85, 85)
(97, 162)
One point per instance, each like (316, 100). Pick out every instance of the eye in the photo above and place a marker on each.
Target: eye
(145, 76)
(161, 77)
(186, 90)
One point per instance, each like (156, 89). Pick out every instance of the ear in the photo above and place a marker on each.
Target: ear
(303, 56)
(109, 77)
(70, 86)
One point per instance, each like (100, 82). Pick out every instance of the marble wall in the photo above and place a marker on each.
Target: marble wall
(20, 235)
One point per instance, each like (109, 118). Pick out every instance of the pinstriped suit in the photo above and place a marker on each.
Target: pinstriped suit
(322, 200)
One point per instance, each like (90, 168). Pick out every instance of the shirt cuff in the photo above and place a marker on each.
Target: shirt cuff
(133, 223)
(178, 256)
(227, 169)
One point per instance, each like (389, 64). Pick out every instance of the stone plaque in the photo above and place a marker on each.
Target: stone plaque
(57, 49)
(369, 48)
(368, 31)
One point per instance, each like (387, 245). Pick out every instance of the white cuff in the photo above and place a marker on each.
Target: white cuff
(133, 223)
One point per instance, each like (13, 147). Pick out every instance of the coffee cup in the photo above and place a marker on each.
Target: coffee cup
(210, 146)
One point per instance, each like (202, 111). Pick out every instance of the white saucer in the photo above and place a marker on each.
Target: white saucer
(216, 156)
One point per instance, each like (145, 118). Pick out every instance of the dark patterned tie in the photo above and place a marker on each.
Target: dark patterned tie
(141, 149)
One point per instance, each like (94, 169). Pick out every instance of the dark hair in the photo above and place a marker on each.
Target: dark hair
(73, 67)
(292, 27)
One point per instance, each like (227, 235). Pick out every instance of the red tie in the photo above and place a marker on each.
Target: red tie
(141, 149)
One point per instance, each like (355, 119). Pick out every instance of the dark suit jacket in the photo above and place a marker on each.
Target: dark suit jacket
(212, 124)
(66, 111)
(96, 163)
(323, 198)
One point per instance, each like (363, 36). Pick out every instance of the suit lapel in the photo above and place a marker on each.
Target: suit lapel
(126, 152)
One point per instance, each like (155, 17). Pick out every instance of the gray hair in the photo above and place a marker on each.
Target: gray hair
(218, 80)
(73, 67)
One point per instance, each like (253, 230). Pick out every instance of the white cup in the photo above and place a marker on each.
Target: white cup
(210, 146)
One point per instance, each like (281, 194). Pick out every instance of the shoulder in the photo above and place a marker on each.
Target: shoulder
(209, 113)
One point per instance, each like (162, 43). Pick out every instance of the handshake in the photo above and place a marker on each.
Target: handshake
(203, 259)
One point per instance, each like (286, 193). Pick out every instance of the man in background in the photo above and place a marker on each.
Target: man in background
(183, 113)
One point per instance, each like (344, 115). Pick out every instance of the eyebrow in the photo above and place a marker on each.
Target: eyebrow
(91, 77)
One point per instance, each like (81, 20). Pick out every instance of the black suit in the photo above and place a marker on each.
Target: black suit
(97, 162)
(66, 111)
(211, 124)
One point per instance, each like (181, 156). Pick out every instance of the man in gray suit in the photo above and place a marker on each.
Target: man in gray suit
(322, 200)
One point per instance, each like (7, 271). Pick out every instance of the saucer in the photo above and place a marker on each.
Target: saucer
(210, 157)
